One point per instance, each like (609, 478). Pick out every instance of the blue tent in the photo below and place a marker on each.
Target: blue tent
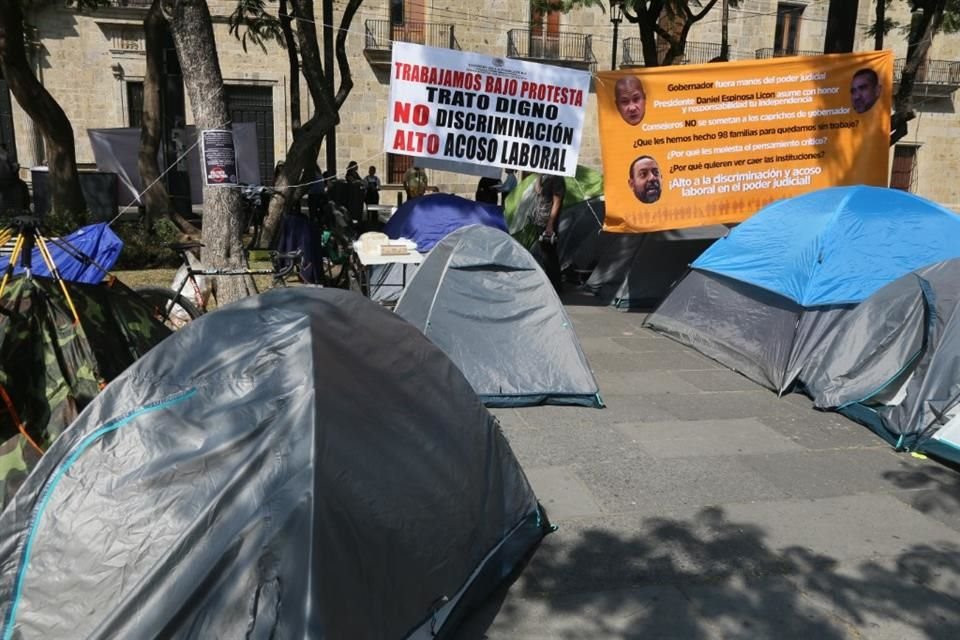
(83, 256)
(761, 299)
(428, 219)
(835, 246)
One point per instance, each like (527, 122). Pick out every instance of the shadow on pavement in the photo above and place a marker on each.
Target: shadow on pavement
(711, 577)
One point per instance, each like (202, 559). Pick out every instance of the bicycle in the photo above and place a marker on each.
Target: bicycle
(173, 308)
(340, 266)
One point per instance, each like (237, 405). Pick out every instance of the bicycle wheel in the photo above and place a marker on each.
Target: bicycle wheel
(336, 266)
(171, 309)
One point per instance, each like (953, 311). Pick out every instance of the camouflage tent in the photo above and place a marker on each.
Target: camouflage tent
(51, 366)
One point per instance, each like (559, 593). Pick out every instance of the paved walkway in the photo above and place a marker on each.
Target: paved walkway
(699, 505)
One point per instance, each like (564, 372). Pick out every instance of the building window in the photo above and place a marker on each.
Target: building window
(396, 11)
(544, 34)
(397, 165)
(787, 37)
(246, 103)
(903, 172)
(135, 104)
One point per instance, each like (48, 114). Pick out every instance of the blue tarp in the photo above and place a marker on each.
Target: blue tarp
(428, 219)
(83, 256)
(837, 245)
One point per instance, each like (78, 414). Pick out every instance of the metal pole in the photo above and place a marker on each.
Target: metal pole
(724, 36)
(331, 137)
(613, 59)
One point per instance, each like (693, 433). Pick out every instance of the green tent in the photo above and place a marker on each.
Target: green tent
(53, 362)
(586, 185)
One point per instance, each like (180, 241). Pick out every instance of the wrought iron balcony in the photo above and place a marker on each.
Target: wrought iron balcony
(381, 34)
(934, 77)
(693, 52)
(562, 49)
(770, 52)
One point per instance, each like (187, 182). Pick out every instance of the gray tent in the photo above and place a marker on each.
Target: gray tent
(303, 464)
(482, 298)
(636, 270)
(892, 362)
(765, 336)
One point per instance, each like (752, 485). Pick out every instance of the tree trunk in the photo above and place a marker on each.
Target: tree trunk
(922, 29)
(302, 154)
(66, 198)
(645, 17)
(841, 26)
(286, 26)
(155, 197)
(192, 31)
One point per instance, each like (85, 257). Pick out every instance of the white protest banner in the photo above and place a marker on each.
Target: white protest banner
(478, 109)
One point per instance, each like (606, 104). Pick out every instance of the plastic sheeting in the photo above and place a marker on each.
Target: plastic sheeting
(482, 298)
(836, 246)
(83, 256)
(238, 482)
(428, 219)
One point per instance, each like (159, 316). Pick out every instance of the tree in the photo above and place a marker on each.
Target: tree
(192, 30)
(66, 197)
(156, 199)
(927, 20)
(301, 159)
(663, 24)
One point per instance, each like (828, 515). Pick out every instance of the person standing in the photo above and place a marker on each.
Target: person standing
(486, 190)
(415, 182)
(371, 184)
(550, 191)
(507, 185)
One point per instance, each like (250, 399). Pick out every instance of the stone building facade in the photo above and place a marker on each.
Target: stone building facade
(93, 64)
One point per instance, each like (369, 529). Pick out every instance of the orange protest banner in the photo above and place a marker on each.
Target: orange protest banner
(685, 146)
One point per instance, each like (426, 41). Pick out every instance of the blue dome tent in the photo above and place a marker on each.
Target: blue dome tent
(762, 298)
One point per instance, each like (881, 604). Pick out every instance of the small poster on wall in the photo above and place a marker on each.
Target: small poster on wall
(219, 158)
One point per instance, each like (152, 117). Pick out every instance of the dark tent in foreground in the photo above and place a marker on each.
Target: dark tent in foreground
(482, 298)
(51, 366)
(301, 464)
(762, 298)
(893, 363)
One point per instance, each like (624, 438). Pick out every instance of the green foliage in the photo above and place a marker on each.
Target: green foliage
(58, 223)
(251, 22)
(143, 249)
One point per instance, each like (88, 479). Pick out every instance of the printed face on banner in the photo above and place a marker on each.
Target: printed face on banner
(693, 145)
(470, 108)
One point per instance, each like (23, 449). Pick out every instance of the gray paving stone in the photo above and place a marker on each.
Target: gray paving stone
(721, 405)
(684, 439)
(717, 380)
(818, 430)
(646, 342)
(649, 612)
(902, 598)
(821, 474)
(669, 360)
(562, 493)
(660, 485)
(640, 382)
(843, 527)
(564, 444)
(595, 345)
